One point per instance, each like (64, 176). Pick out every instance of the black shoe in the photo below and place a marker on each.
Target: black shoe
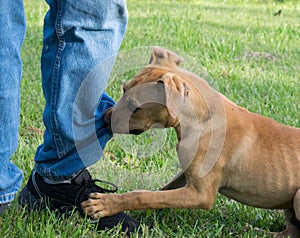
(4, 206)
(65, 197)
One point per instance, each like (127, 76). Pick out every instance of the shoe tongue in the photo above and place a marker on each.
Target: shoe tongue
(82, 176)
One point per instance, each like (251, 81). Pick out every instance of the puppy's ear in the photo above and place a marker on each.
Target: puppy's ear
(164, 57)
(175, 91)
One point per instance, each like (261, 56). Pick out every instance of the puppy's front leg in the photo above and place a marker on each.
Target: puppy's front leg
(102, 205)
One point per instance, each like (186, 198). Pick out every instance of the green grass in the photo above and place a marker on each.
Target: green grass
(251, 56)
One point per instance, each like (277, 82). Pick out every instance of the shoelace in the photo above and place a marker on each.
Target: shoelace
(92, 183)
(90, 186)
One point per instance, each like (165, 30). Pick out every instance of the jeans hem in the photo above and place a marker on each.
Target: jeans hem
(7, 197)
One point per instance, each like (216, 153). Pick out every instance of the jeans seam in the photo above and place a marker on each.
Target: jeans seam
(61, 44)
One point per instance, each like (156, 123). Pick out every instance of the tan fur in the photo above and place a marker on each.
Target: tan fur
(258, 162)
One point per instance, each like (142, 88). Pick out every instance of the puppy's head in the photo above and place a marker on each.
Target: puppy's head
(153, 98)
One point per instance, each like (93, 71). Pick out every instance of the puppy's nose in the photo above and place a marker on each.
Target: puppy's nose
(107, 116)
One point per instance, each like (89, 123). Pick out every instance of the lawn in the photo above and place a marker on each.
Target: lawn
(242, 48)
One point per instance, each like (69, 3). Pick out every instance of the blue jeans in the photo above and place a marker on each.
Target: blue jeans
(81, 40)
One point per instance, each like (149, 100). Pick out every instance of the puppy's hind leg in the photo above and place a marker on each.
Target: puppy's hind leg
(297, 205)
(292, 217)
(292, 226)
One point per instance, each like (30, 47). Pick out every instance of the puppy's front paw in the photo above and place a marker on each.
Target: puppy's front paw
(100, 205)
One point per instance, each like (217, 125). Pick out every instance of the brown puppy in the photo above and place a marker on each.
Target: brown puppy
(221, 146)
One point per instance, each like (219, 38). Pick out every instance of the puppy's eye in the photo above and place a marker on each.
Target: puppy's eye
(133, 108)
(132, 104)
(123, 86)
(136, 110)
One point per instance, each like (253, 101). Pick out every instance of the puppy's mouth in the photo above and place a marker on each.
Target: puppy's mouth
(136, 131)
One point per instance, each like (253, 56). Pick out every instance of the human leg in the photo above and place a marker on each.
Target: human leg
(12, 32)
(81, 39)
(80, 42)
